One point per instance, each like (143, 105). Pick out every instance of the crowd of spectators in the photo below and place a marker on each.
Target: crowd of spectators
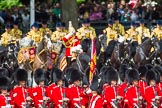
(109, 9)
(96, 11)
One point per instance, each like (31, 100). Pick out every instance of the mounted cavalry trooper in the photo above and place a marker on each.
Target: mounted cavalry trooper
(44, 30)
(143, 31)
(110, 33)
(158, 33)
(7, 37)
(5, 96)
(21, 93)
(86, 31)
(71, 43)
(119, 28)
(15, 31)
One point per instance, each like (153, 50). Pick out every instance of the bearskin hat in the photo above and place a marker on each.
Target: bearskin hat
(95, 84)
(56, 75)
(85, 80)
(133, 75)
(72, 74)
(4, 82)
(159, 69)
(40, 75)
(111, 75)
(151, 75)
(123, 71)
(21, 75)
(142, 70)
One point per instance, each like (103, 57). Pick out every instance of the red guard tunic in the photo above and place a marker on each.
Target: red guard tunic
(132, 96)
(38, 94)
(96, 102)
(110, 95)
(70, 41)
(150, 94)
(58, 94)
(50, 89)
(19, 96)
(75, 96)
(142, 84)
(5, 100)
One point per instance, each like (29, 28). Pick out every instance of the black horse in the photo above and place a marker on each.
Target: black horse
(143, 53)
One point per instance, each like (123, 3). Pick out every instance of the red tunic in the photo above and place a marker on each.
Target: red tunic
(96, 102)
(142, 84)
(150, 94)
(70, 42)
(75, 96)
(111, 93)
(3, 101)
(58, 94)
(19, 96)
(49, 90)
(38, 94)
(132, 96)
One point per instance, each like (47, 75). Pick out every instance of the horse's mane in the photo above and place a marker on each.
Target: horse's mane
(146, 42)
(40, 46)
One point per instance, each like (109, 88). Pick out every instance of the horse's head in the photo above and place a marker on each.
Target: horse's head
(102, 39)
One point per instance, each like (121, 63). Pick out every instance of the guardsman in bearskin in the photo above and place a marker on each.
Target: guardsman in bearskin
(110, 33)
(74, 91)
(5, 98)
(143, 31)
(35, 34)
(58, 95)
(58, 34)
(71, 43)
(112, 96)
(133, 97)
(119, 28)
(15, 31)
(152, 95)
(96, 88)
(6, 37)
(21, 94)
(86, 31)
(39, 92)
(133, 36)
(159, 85)
(44, 30)
(142, 82)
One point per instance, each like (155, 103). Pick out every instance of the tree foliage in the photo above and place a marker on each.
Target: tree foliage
(7, 4)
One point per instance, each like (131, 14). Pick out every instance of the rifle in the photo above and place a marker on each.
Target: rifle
(28, 102)
(44, 100)
(7, 102)
(117, 100)
(156, 102)
(64, 103)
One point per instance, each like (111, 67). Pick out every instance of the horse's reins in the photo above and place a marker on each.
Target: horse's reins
(37, 55)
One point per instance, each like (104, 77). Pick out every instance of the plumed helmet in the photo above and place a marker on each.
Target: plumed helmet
(133, 75)
(4, 82)
(95, 84)
(40, 75)
(151, 75)
(142, 70)
(21, 75)
(56, 75)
